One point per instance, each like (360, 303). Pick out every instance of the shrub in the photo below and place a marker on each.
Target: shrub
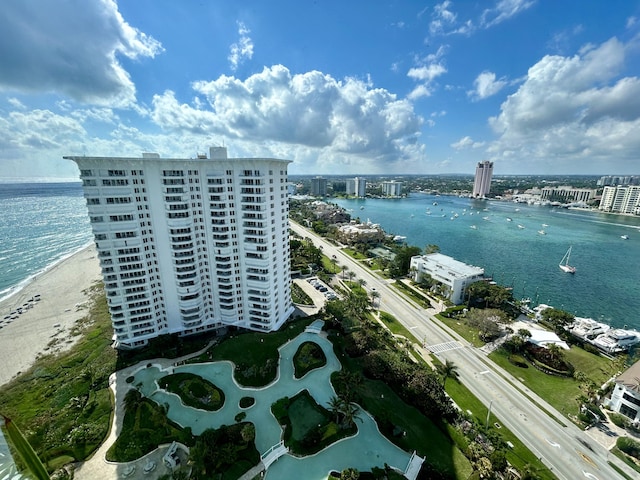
(618, 420)
(246, 402)
(629, 446)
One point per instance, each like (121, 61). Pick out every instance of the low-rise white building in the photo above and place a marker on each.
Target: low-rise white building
(456, 276)
(625, 398)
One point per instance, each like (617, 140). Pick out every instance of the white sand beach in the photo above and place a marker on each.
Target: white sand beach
(62, 301)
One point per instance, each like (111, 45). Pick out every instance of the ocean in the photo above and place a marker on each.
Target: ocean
(516, 254)
(43, 223)
(40, 225)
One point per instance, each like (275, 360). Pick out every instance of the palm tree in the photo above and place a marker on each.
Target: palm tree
(344, 269)
(24, 448)
(335, 407)
(362, 282)
(351, 276)
(447, 370)
(375, 295)
(334, 260)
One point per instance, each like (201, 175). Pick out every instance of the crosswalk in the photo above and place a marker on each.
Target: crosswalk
(443, 347)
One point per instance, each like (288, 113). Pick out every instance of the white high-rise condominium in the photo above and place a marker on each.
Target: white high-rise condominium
(357, 187)
(482, 182)
(190, 245)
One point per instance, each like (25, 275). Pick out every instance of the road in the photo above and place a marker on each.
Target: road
(564, 448)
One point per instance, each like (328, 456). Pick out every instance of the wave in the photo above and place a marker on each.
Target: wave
(14, 289)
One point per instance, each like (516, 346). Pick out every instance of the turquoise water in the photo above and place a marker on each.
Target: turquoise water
(40, 224)
(605, 286)
(367, 449)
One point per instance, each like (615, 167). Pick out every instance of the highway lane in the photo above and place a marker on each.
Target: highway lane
(565, 449)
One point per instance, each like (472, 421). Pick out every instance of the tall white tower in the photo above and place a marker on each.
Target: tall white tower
(190, 245)
(482, 182)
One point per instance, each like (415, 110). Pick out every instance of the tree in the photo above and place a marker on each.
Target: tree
(349, 474)
(362, 282)
(448, 369)
(344, 269)
(334, 261)
(431, 248)
(400, 264)
(132, 400)
(375, 295)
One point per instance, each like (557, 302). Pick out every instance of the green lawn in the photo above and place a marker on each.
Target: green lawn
(422, 435)
(254, 354)
(470, 334)
(561, 392)
(309, 356)
(305, 417)
(396, 327)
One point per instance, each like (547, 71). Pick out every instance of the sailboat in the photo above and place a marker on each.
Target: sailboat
(564, 263)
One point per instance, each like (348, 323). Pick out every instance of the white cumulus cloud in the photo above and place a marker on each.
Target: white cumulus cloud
(342, 118)
(465, 143)
(486, 85)
(71, 48)
(573, 108)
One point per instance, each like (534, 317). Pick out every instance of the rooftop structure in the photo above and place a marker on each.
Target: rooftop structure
(190, 245)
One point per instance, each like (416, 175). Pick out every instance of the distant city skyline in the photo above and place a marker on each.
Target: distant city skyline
(535, 86)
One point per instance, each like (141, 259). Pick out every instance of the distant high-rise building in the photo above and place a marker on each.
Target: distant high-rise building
(392, 188)
(621, 199)
(319, 187)
(357, 187)
(190, 245)
(482, 182)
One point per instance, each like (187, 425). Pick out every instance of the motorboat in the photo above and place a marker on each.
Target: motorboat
(624, 237)
(616, 340)
(587, 328)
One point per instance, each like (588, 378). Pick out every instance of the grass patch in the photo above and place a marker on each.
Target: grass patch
(622, 456)
(354, 254)
(412, 294)
(396, 327)
(406, 427)
(308, 427)
(254, 354)
(309, 356)
(469, 333)
(194, 391)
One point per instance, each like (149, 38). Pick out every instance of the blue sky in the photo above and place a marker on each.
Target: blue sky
(339, 87)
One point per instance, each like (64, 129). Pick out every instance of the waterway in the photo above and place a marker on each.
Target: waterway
(505, 239)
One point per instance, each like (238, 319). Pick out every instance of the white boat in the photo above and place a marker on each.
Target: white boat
(616, 340)
(624, 237)
(520, 226)
(542, 232)
(545, 225)
(587, 328)
(474, 227)
(564, 263)
(509, 219)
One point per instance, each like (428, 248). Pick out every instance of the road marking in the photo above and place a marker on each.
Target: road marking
(590, 475)
(443, 347)
(553, 444)
(413, 328)
(484, 372)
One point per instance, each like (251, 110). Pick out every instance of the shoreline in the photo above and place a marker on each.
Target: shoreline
(43, 326)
